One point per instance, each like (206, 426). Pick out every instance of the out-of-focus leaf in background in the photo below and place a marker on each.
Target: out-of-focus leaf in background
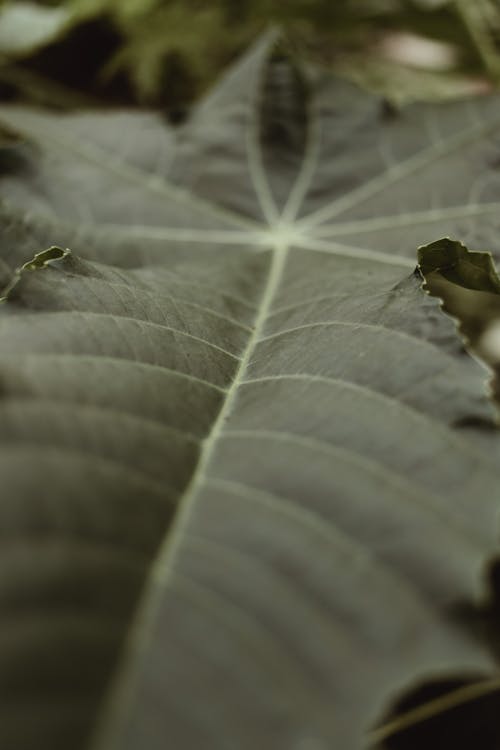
(136, 51)
(25, 26)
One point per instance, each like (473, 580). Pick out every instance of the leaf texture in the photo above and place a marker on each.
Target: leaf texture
(232, 411)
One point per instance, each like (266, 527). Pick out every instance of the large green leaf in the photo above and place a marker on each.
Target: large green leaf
(235, 430)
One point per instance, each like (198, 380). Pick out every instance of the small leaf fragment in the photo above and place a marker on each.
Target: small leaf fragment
(39, 260)
(451, 259)
(468, 284)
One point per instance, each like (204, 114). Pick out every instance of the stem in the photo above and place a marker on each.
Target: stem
(430, 710)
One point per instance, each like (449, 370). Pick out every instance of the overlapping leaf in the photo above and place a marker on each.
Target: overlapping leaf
(233, 410)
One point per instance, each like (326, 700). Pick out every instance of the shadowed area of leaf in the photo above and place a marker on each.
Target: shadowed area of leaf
(458, 712)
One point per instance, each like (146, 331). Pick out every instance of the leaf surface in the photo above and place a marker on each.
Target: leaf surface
(243, 419)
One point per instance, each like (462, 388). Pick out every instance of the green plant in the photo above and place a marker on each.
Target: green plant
(249, 474)
(166, 53)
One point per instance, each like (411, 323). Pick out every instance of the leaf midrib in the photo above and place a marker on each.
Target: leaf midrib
(273, 281)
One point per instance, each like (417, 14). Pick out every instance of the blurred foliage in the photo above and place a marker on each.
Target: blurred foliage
(165, 52)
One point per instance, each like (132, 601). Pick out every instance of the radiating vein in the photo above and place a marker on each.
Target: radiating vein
(183, 234)
(257, 170)
(161, 570)
(61, 451)
(321, 524)
(385, 399)
(345, 455)
(274, 279)
(159, 297)
(339, 539)
(358, 325)
(306, 172)
(130, 363)
(139, 321)
(332, 296)
(399, 221)
(134, 420)
(399, 171)
(410, 490)
(247, 625)
(205, 287)
(55, 137)
(348, 251)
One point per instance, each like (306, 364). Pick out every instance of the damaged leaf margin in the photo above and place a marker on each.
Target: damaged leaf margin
(468, 286)
(39, 261)
(469, 269)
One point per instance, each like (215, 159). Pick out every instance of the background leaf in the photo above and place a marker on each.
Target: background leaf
(137, 51)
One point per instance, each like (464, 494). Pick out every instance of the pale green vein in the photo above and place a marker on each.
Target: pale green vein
(407, 168)
(56, 138)
(57, 405)
(183, 234)
(339, 539)
(256, 168)
(342, 454)
(306, 173)
(62, 453)
(143, 291)
(363, 326)
(244, 622)
(399, 221)
(353, 253)
(136, 321)
(326, 298)
(259, 641)
(384, 400)
(97, 359)
(274, 279)
(161, 570)
(409, 490)
(285, 506)
(176, 279)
